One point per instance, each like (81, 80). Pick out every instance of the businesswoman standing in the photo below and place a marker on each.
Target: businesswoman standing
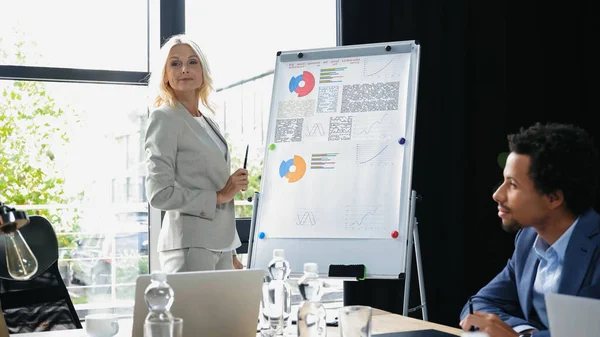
(188, 166)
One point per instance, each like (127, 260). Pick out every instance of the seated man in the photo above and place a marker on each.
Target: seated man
(549, 187)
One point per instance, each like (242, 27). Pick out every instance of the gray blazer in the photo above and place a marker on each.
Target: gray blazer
(185, 169)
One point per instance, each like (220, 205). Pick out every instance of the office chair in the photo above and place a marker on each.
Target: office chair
(41, 303)
(243, 229)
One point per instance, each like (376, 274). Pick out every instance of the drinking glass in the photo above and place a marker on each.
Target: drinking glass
(355, 321)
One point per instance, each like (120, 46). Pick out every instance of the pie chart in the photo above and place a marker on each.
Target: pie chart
(293, 169)
(302, 84)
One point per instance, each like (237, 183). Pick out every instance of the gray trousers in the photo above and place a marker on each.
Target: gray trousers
(194, 259)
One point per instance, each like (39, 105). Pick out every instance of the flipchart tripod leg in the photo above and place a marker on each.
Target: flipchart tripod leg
(409, 251)
(414, 243)
(252, 227)
(423, 306)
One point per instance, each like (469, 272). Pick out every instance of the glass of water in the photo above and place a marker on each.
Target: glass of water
(355, 321)
(164, 329)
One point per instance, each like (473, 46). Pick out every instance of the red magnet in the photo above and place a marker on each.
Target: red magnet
(395, 234)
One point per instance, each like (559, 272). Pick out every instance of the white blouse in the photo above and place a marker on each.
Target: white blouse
(218, 141)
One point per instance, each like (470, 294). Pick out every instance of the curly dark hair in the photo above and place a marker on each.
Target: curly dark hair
(563, 157)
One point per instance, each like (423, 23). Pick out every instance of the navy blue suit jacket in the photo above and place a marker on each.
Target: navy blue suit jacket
(509, 294)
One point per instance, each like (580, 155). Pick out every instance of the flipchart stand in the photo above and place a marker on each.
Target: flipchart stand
(412, 243)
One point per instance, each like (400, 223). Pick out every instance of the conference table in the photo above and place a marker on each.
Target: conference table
(383, 322)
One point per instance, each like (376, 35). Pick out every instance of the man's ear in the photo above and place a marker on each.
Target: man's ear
(555, 198)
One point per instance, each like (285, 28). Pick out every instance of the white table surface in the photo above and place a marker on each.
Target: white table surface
(383, 322)
(125, 326)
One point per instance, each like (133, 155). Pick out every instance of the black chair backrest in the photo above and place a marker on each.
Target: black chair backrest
(243, 228)
(41, 303)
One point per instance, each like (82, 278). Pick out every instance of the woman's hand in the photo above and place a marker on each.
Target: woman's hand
(236, 263)
(238, 181)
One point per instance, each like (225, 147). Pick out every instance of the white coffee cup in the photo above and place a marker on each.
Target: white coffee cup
(101, 325)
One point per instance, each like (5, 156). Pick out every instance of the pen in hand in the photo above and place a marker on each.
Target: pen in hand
(246, 157)
(471, 312)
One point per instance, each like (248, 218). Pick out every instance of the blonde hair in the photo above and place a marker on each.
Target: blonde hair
(164, 92)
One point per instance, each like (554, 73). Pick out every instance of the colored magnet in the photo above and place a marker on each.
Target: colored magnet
(272, 147)
(395, 234)
(401, 141)
(502, 159)
(261, 235)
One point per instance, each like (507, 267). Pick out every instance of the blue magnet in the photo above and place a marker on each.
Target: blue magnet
(261, 235)
(401, 141)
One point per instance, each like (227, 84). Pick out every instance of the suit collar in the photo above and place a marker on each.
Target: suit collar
(581, 248)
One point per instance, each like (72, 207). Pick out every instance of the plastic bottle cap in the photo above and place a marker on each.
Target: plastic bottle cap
(159, 276)
(278, 253)
(311, 267)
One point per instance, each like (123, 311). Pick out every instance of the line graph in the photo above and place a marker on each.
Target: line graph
(316, 130)
(305, 218)
(367, 130)
(364, 217)
(365, 127)
(380, 70)
(382, 67)
(374, 155)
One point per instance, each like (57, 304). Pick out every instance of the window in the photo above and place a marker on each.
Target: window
(57, 158)
(241, 50)
(130, 145)
(243, 42)
(109, 34)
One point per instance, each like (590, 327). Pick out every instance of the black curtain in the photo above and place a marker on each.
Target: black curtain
(486, 70)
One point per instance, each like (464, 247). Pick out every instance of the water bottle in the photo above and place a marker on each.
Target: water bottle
(311, 313)
(271, 323)
(159, 297)
(279, 270)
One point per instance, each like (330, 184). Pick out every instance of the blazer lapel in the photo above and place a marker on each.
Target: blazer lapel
(579, 253)
(526, 285)
(199, 130)
(216, 130)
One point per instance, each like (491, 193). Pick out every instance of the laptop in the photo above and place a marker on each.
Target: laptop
(211, 303)
(570, 316)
